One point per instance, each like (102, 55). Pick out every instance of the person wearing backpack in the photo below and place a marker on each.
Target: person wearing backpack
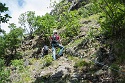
(45, 50)
(56, 42)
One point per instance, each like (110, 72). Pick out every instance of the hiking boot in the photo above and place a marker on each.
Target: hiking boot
(57, 56)
(61, 55)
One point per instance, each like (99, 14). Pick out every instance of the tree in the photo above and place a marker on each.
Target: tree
(45, 23)
(27, 20)
(13, 39)
(3, 17)
(4, 75)
(2, 46)
(112, 16)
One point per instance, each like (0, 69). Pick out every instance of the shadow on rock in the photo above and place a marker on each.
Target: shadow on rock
(55, 78)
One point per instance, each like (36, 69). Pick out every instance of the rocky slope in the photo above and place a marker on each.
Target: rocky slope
(82, 61)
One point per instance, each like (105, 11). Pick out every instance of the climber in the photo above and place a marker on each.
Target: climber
(56, 42)
(45, 50)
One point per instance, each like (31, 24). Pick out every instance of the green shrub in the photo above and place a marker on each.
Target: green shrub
(18, 64)
(4, 74)
(115, 68)
(81, 63)
(71, 57)
(121, 58)
(47, 60)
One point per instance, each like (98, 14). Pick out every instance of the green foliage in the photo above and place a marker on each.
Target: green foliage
(119, 50)
(18, 64)
(71, 23)
(121, 58)
(112, 21)
(3, 17)
(2, 46)
(47, 60)
(87, 10)
(75, 43)
(74, 59)
(10, 42)
(1, 64)
(45, 24)
(25, 78)
(65, 19)
(81, 63)
(115, 68)
(27, 20)
(59, 8)
(113, 15)
(13, 39)
(4, 74)
(93, 32)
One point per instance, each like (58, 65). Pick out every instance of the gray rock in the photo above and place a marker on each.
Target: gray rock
(100, 72)
(26, 62)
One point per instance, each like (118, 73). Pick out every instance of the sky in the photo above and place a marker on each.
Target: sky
(17, 7)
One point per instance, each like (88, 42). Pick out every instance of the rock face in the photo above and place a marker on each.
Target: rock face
(59, 71)
(75, 4)
(104, 56)
(63, 71)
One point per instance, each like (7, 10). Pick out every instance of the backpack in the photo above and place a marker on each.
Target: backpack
(45, 48)
(54, 39)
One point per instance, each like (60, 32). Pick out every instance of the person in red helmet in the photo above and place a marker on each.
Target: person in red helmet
(56, 42)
